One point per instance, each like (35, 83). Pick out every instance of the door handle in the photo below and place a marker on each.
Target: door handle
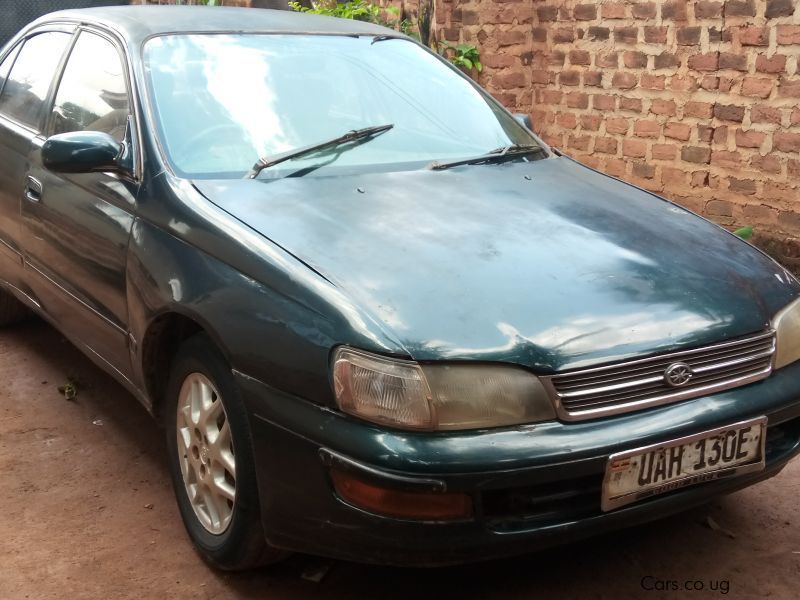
(33, 189)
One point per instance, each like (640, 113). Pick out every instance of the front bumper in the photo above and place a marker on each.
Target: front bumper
(532, 487)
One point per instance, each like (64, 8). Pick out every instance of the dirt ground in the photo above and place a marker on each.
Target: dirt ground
(86, 511)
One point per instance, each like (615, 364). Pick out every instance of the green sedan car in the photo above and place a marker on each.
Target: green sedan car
(377, 317)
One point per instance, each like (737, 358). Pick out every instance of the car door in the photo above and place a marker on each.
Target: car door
(27, 70)
(77, 225)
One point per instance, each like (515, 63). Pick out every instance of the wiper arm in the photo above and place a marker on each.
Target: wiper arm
(350, 136)
(496, 155)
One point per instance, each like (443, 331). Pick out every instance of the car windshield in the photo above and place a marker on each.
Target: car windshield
(221, 101)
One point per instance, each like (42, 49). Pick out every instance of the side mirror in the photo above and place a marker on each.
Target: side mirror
(82, 152)
(524, 119)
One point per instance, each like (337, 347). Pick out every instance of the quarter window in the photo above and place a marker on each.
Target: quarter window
(92, 95)
(25, 91)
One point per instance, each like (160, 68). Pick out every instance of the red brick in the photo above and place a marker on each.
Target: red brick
(567, 120)
(666, 60)
(736, 62)
(563, 35)
(795, 120)
(577, 100)
(569, 78)
(788, 88)
(634, 60)
(652, 82)
(593, 78)
(541, 77)
(555, 58)
(753, 36)
(701, 110)
(683, 84)
(721, 135)
(726, 160)
(655, 35)
(742, 186)
(624, 81)
(677, 131)
(643, 170)
(675, 10)
(650, 129)
(514, 79)
(585, 12)
(580, 57)
(786, 142)
(598, 33)
(779, 8)
(749, 139)
(579, 142)
(608, 61)
(704, 62)
(774, 64)
(706, 9)
(631, 104)
(696, 154)
(765, 114)
(768, 163)
(644, 10)
(705, 133)
(688, 36)
(604, 103)
(615, 167)
(664, 151)
(626, 35)
(663, 107)
(740, 8)
(539, 34)
(634, 148)
(613, 10)
(788, 34)
(551, 97)
(728, 112)
(591, 122)
(616, 126)
(756, 87)
(606, 145)
(511, 38)
(547, 13)
(719, 208)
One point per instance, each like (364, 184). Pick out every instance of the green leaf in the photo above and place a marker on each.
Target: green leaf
(479, 66)
(745, 232)
(466, 62)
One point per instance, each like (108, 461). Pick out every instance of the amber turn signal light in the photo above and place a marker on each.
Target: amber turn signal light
(423, 506)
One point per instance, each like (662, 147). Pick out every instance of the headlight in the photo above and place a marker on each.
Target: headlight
(787, 335)
(403, 394)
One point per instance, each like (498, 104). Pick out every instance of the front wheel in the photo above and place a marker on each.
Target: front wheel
(211, 460)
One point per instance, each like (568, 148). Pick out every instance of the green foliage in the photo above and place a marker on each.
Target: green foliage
(745, 232)
(358, 10)
(465, 56)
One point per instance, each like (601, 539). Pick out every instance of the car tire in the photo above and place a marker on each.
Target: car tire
(11, 309)
(210, 451)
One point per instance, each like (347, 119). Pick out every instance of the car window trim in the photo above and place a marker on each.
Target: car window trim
(23, 39)
(122, 55)
(14, 48)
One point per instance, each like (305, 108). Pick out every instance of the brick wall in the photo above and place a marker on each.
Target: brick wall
(698, 100)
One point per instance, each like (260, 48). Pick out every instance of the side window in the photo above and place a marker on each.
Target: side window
(25, 91)
(92, 95)
(6, 65)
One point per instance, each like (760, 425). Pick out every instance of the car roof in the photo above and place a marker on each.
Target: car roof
(137, 23)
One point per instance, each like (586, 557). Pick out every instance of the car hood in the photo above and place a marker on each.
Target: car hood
(546, 264)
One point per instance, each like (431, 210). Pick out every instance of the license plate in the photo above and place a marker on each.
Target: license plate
(645, 472)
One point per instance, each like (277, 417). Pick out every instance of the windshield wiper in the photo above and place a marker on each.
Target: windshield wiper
(350, 136)
(496, 155)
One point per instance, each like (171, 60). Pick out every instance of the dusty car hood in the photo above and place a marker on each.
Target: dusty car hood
(545, 264)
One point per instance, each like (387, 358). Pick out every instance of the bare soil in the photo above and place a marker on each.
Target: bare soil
(86, 511)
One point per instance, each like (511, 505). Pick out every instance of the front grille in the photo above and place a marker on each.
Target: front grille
(637, 384)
